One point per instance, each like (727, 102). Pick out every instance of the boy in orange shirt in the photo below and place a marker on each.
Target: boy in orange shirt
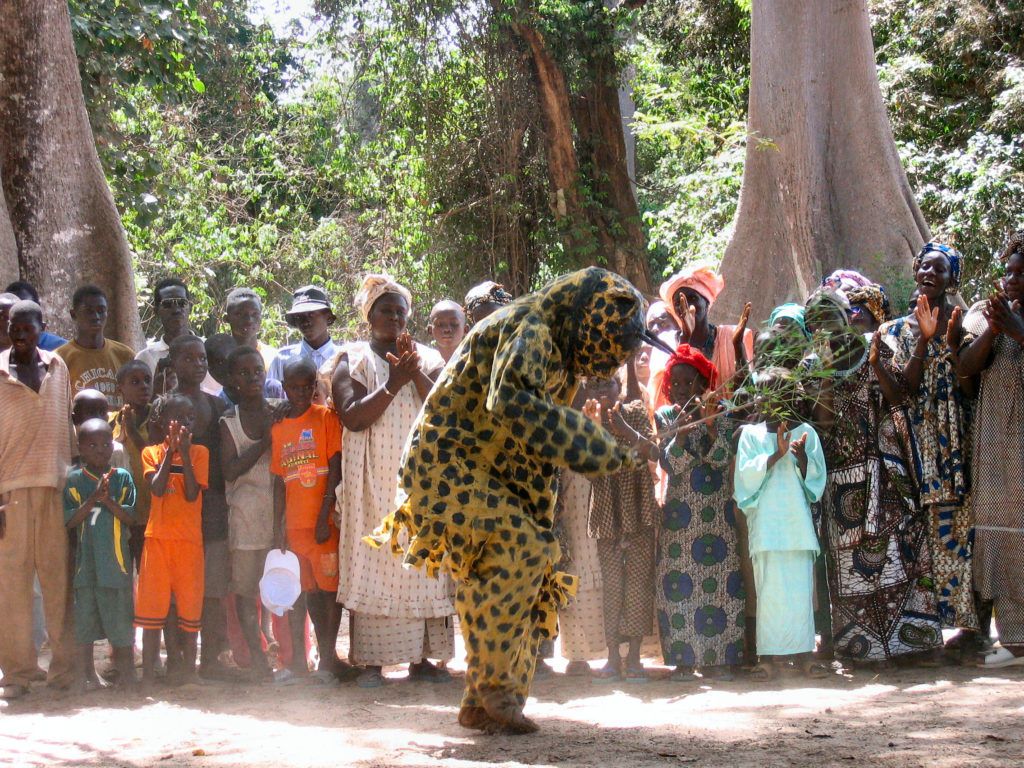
(172, 559)
(306, 462)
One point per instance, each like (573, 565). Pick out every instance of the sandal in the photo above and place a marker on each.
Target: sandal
(606, 675)
(682, 675)
(816, 670)
(370, 678)
(763, 673)
(1000, 657)
(637, 674)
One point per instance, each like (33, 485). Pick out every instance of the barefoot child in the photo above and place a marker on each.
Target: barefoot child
(779, 474)
(131, 430)
(98, 505)
(306, 462)
(623, 518)
(245, 459)
(172, 560)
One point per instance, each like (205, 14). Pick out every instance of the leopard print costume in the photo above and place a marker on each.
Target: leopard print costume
(479, 473)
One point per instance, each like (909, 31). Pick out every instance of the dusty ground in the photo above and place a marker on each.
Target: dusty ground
(951, 716)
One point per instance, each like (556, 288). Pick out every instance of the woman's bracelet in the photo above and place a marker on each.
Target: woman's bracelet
(387, 391)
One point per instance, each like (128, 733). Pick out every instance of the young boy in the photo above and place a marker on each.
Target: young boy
(177, 472)
(779, 474)
(243, 312)
(311, 313)
(189, 362)
(93, 360)
(245, 441)
(98, 504)
(218, 347)
(131, 430)
(447, 326)
(93, 404)
(306, 462)
(25, 291)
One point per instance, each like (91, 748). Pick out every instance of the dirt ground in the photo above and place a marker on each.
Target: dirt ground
(951, 716)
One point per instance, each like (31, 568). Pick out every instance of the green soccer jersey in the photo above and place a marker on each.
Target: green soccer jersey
(102, 558)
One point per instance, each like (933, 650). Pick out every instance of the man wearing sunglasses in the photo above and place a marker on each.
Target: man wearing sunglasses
(172, 304)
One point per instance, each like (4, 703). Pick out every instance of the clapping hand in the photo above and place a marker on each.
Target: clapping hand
(927, 317)
(403, 367)
(954, 330)
(173, 435)
(741, 326)
(592, 410)
(184, 439)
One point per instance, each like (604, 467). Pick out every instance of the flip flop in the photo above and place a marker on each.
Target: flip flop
(370, 679)
(637, 675)
(606, 675)
(1001, 657)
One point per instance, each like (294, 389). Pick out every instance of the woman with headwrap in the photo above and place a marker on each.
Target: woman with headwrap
(699, 588)
(688, 296)
(484, 299)
(397, 615)
(993, 346)
(869, 307)
(939, 427)
(874, 537)
(479, 474)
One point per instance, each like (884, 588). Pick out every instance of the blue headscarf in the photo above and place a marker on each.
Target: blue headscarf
(790, 311)
(952, 256)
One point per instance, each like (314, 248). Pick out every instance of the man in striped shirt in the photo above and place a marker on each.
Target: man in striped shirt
(36, 444)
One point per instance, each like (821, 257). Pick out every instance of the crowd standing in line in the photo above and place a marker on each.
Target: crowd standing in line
(832, 489)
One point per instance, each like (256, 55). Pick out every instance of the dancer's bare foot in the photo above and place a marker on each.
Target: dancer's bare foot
(507, 714)
(475, 718)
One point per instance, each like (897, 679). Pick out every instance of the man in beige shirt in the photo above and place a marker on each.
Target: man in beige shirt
(36, 444)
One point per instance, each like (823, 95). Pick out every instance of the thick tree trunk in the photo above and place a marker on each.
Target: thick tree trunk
(607, 234)
(829, 190)
(60, 208)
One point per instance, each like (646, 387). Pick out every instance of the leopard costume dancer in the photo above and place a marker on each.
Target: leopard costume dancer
(479, 474)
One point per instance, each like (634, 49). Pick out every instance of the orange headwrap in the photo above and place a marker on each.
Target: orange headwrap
(701, 279)
(687, 355)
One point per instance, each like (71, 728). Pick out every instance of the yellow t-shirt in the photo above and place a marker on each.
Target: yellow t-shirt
(96, 368)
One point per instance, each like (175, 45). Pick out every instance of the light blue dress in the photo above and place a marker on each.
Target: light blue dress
(783, 543)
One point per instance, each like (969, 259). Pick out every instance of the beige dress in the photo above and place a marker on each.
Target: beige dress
(581, 623)
(398, 614)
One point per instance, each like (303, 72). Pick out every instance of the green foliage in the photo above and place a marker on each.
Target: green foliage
(953, 76)
(406, 136)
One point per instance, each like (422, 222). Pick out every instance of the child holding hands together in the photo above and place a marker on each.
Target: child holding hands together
(98, 504)
(172, 559)
(779, 474)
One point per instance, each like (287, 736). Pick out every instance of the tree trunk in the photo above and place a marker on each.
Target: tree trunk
(60, 208)
(618, 218)
(605, 230)
(8, 246)
(827, 190)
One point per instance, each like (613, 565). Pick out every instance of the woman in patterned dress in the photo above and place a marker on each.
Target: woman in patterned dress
(700, 594)
(877, 555)
(993, 346)
(938, 425)
(398, 615)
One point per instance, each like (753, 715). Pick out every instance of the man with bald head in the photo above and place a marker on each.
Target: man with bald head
(36, 443)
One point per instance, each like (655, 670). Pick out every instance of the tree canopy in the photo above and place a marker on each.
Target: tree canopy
(414, 136)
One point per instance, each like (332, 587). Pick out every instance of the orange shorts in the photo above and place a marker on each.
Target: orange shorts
(170, 568)
(318, 563)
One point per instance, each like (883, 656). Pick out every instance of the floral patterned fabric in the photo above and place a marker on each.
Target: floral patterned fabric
(699, 589)
(939, 423)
